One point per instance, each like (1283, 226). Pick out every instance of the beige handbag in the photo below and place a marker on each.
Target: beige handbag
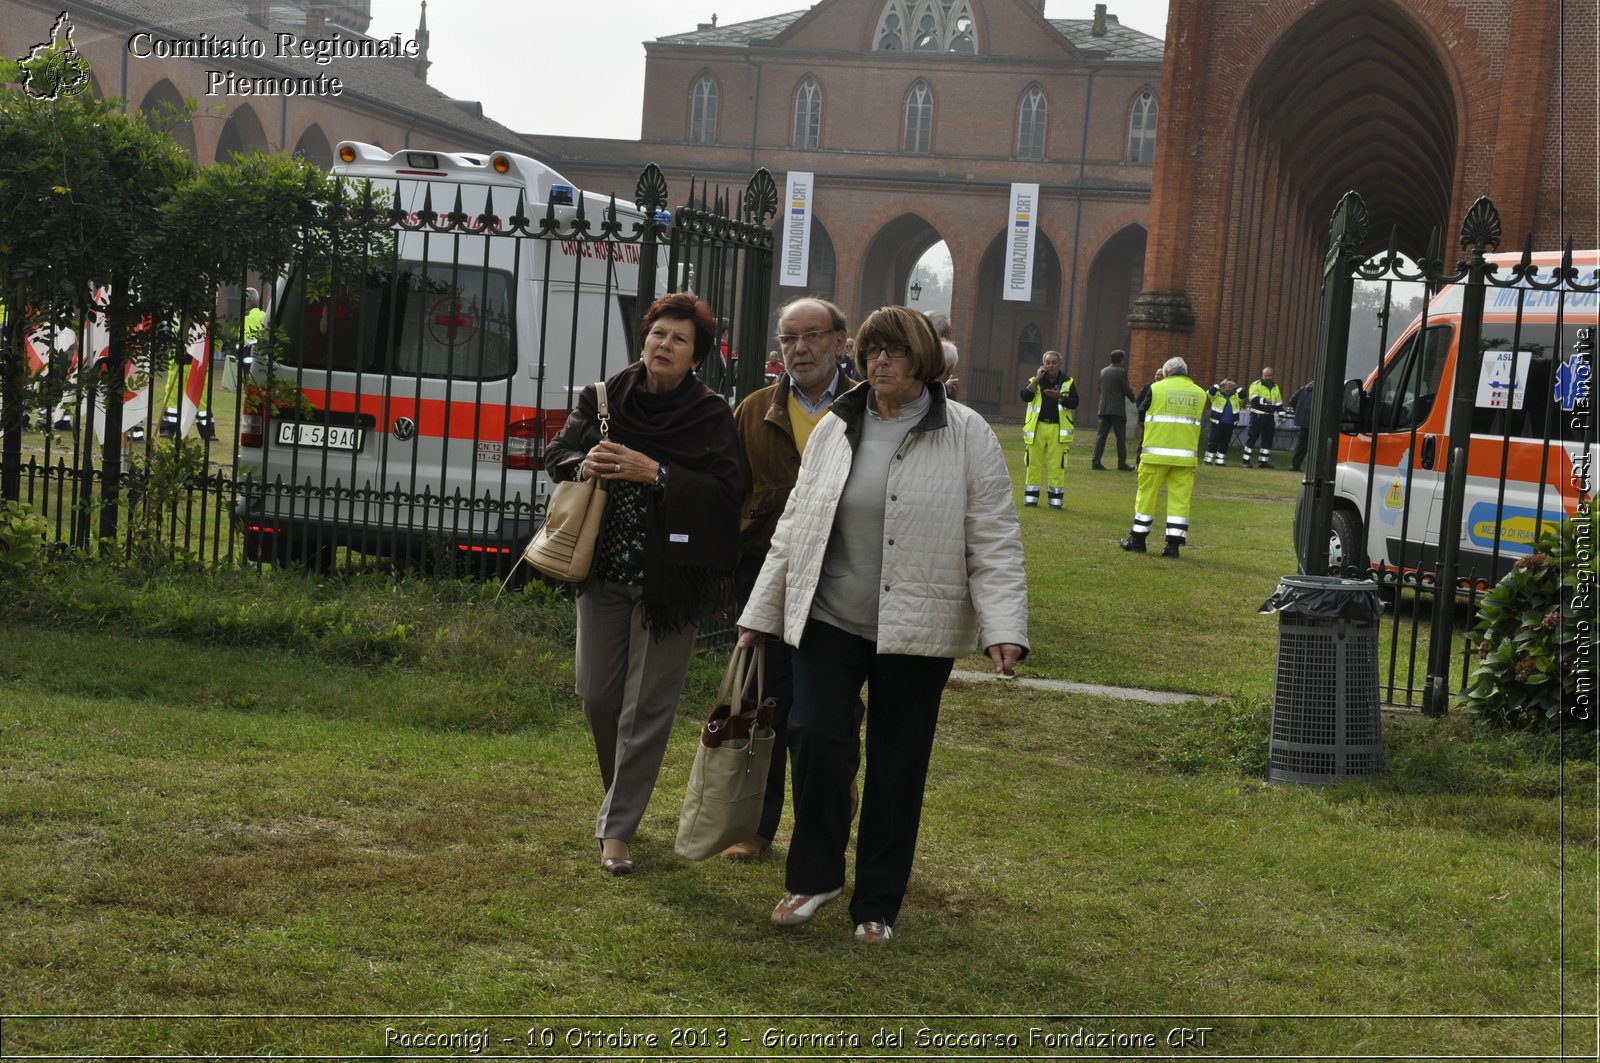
(563, 547)
(728, 782)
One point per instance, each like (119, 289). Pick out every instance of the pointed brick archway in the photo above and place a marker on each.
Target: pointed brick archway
(822, 277)
(159, 105)
(992, 370)
(240, 134)
(1115, 275)
(891, 255)
(1264, 136)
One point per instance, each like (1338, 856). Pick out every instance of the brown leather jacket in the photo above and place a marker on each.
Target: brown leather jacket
(762, 422)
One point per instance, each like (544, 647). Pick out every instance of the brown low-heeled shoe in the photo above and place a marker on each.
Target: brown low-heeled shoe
(616, 865)
(747, 850)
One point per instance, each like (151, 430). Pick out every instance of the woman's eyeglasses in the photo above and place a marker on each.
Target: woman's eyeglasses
(894, 352)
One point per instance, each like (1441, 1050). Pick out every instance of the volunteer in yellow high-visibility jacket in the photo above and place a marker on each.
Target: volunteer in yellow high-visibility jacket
(1047, 430)
(1266, 406)
(1168, 458)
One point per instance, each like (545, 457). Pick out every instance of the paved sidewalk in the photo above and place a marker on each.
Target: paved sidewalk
(1153, 697)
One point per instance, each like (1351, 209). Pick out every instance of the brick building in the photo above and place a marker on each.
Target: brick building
(916, 117)
(143, 52)
(1271, 112)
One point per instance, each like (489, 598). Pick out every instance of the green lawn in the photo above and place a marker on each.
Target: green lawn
(354, 802)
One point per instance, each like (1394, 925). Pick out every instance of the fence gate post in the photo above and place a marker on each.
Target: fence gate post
(650, 196)
(1347, 233)
(760, 204)
(11, 403)
(1480, 232)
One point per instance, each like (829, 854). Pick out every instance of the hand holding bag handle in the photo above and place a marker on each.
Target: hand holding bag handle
(743, 665)
(564, 546)
(743, 682)
(728, 781)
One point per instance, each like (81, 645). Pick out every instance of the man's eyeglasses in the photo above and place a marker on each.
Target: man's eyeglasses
(811, 339)
(896, 353)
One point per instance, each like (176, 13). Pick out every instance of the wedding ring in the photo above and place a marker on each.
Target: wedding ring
(617, 467)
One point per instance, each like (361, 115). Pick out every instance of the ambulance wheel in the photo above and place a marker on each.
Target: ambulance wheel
(1345, 553)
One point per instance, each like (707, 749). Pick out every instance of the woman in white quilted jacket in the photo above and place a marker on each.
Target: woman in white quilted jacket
(899, 546)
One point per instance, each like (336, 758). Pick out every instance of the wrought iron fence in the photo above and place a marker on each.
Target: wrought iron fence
(396, 409)
(1434, 474)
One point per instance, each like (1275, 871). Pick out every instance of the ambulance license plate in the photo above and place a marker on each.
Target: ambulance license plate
(309, 434)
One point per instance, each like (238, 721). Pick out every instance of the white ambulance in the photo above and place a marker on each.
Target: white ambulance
(406, 411)
(1531, 459)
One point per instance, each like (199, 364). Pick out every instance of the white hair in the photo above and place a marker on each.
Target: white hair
(951, 355)
(1176, 366)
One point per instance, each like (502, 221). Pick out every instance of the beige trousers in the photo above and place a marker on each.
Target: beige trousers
(630, 683)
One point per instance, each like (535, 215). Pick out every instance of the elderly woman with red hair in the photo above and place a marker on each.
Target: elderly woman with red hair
(671, 464)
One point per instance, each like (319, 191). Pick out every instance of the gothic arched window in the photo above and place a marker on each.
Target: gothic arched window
(1142, 129)
(919, 119)
(703, 111)
(1031, 115)
(808, 114)
(927, 26)
(891, 35)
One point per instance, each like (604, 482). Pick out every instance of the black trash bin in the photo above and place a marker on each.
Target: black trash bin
(1326, 718)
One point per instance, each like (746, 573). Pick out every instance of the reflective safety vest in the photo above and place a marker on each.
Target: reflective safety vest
(1030, 421)
(1219, 401)
(1270, 397)
(1172, 425)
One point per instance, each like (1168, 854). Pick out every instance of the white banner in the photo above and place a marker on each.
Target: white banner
(795, 254)
(1020, 233)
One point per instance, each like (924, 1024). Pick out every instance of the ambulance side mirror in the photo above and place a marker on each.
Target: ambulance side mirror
(1355, 414)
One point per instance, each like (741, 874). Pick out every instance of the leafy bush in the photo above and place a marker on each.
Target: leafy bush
(158, 485)
(1536, 638)
(22, 533)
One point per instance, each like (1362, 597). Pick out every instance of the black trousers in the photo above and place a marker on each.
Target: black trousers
(1261, 429)
(1221, 436)
(780, 688)
(1112, 423)
(1302, 443)
(903, 693)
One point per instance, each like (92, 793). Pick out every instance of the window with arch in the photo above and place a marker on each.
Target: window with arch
(703, 111)
(1031, 115)
(927, 26)
(1030, 346)
(919, 119)
(891, 36)
(1142, 129)
(808, 114)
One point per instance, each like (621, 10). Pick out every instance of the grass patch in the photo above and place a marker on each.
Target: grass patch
(265, 794)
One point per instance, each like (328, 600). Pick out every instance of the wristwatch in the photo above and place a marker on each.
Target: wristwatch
(661, 476)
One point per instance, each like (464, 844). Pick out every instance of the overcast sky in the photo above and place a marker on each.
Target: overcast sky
(577, 69)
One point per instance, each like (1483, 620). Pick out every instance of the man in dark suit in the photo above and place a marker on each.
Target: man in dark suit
(1115, 393)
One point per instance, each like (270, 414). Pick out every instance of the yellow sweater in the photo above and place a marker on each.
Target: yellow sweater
(802, 420)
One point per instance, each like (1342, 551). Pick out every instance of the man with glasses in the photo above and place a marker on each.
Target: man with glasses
(774, 425)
